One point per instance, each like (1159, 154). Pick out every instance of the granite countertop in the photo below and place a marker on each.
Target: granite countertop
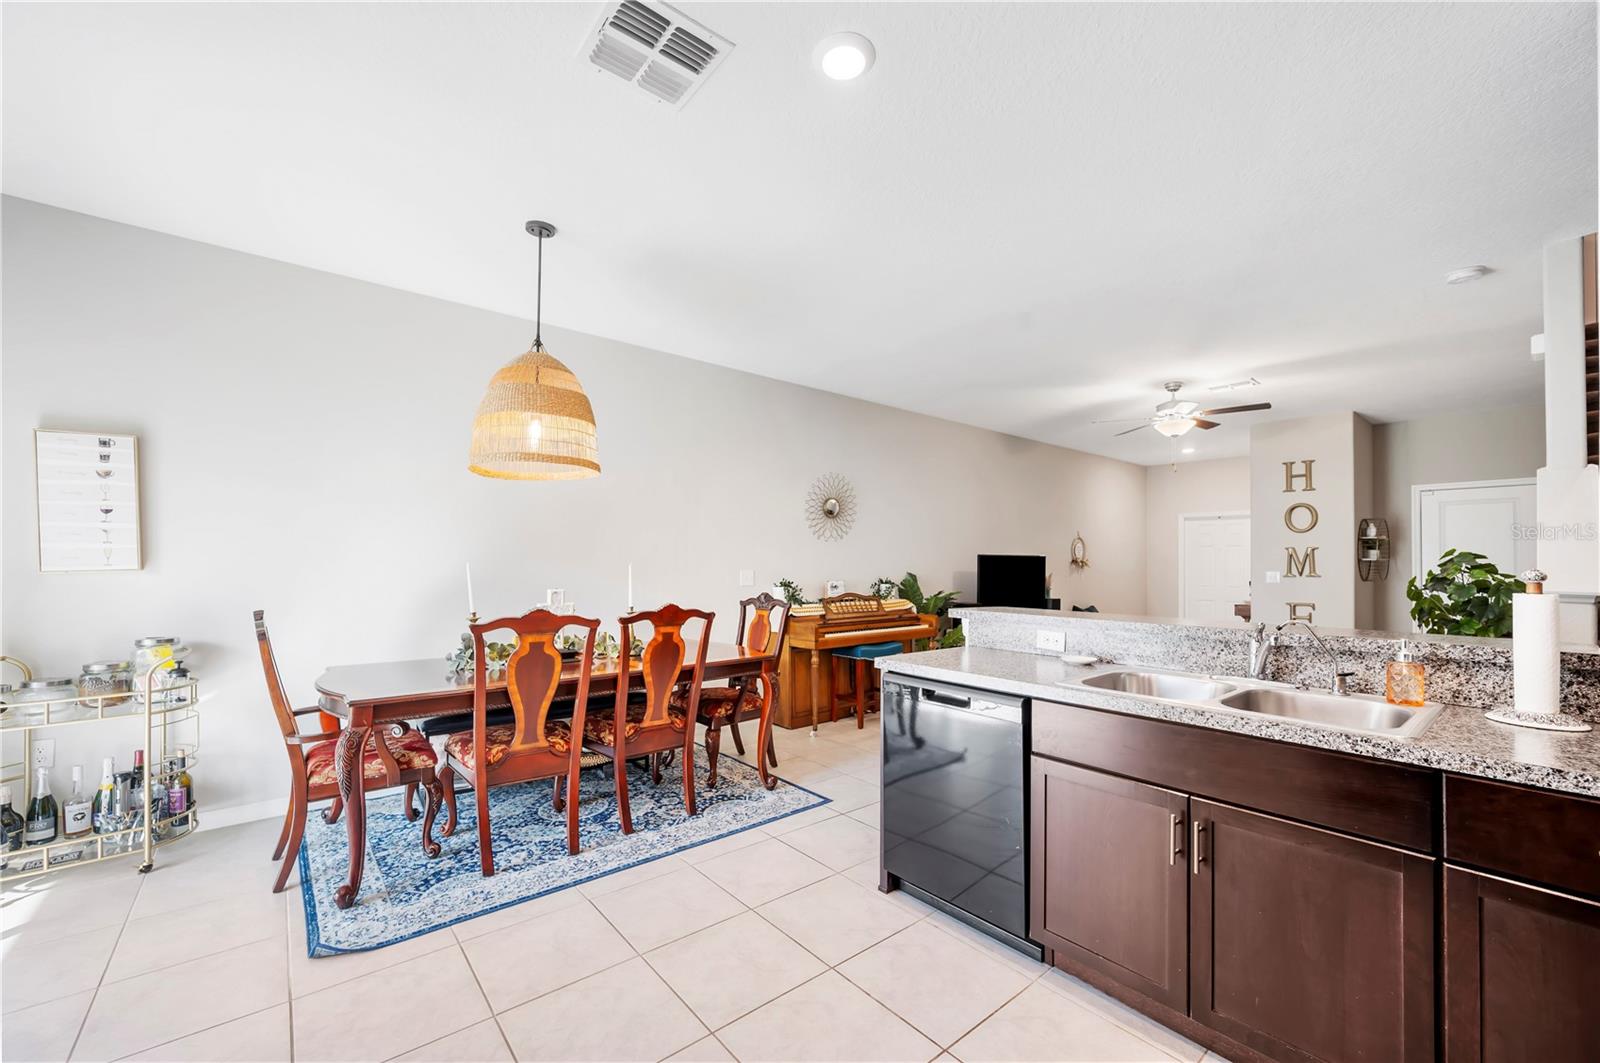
(1458, 740)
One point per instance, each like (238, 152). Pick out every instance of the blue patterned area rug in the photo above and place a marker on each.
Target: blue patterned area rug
(404, 894)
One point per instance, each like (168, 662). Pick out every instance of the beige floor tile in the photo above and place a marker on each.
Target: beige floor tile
(391, 1011)
(789, 824)
(143, 1012)
(1085, 995)
(826, 1019)
(259, 1038)
(518, 913)
(533, 957)
(866, 814)
(1042, 1025)
(482, 1043)
(621, 880)
(835, 753)
(763, 872)
(846, 792)
(753, 962)
(44, 1032)
(308, 975)
(835, 918)
(711, 850)
(60, 905)
(705, 1050)
(585, 1021)
(839, 842)
(214, 864)
(864, 873)
(802, 770)
(156, 941)
(54, 967)
(1024, 965)
(664, 909)
(942, 986)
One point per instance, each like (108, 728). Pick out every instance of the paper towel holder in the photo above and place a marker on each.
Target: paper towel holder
(1555, 720)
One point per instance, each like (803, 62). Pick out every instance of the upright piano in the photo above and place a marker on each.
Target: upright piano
(805, 669)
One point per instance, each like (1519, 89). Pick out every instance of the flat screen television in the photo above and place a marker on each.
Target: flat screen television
(1011, 579)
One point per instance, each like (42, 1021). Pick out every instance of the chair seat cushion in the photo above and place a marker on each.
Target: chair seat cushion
(600, 722)
(497, 742)
(411, 751)
(718, 703)
(870, 651)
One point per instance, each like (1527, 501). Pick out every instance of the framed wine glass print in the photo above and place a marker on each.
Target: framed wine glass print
(88, 501)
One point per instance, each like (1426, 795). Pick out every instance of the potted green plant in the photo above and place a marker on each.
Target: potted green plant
(791, 592)
(1464, 594)
(932, 608)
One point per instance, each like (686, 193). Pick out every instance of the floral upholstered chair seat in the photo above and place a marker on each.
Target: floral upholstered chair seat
(497, 742)
(716, 703)
(411, 750)
(600, 725)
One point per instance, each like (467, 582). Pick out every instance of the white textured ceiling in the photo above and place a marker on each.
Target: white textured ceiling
(1023, 217)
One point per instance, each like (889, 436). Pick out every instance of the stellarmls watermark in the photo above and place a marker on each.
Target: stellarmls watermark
(1572, 531)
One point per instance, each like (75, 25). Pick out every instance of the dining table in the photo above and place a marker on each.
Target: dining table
(393, 694)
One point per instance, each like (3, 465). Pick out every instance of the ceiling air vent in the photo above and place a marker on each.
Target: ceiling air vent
(656, 47)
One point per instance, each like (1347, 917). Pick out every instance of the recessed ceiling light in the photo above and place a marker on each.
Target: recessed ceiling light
(1188, 450)
(1462, 276)
(845, 56)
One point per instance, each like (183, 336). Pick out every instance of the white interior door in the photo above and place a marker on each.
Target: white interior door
(1481, 517)
(1213, 565)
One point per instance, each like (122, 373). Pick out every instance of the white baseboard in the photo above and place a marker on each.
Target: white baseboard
(236, 814)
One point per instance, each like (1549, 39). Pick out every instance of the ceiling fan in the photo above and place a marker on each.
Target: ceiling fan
(1175, 416)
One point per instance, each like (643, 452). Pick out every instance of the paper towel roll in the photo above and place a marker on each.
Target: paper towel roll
(1535, 653)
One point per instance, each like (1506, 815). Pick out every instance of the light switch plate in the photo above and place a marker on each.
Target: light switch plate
(44, 753)
(1274, 577)
(1054, 641)
(747, 577)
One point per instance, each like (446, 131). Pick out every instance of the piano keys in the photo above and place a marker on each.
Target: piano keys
(805, 668)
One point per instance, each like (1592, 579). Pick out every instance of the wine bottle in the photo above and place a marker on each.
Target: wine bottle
(180, 794)
(10, 824)
(104, 799)
(39, 826)
(78, 813)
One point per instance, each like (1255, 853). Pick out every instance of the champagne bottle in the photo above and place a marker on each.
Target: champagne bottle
(104, 799)
(78, 814)
(180, 794)
(39, 826)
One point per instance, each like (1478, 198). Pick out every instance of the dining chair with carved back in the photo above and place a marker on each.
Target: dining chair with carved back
(650, 726)
(313, 764)
(763, 627)
(532, 746)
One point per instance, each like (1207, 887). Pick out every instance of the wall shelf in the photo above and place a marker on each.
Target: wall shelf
(1372, 548)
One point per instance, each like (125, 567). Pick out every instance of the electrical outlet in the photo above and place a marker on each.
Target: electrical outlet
(1054, 641)
(44, 753)
(747, 577)
(1274, 577)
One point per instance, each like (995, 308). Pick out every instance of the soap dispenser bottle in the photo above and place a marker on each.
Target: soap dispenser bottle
(1403, 681)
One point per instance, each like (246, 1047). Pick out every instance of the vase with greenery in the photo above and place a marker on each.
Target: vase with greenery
(791, 592)
(1464, 594)
(884, 587)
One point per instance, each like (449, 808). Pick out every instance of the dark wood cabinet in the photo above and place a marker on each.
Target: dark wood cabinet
(1110, 883)
(1521, 973)
(1306, 944)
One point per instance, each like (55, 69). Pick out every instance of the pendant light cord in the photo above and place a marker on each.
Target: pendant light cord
(538, 299)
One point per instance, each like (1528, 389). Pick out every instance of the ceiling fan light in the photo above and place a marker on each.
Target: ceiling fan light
(1173, 427)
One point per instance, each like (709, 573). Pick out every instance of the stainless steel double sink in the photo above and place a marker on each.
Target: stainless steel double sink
(1360, 713)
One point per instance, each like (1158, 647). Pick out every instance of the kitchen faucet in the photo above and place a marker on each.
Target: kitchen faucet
(1336, 679)
(1261, 645)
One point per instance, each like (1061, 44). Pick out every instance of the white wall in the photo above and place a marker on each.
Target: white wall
(1219, 486)
(1496, 444)
(303, 440)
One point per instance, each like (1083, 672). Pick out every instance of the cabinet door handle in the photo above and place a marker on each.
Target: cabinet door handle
(1194, 847)
(1175, 836)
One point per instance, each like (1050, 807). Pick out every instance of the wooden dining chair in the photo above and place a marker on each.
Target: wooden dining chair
(404, 758)
(650, 725)
(532, 746)
(763, 627)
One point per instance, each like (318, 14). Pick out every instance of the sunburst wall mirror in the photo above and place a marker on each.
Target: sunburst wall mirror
(831, 507)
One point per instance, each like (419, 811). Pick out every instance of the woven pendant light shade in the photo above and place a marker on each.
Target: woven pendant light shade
(535, 423)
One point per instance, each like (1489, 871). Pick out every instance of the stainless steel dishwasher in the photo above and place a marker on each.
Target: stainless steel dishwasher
(953, 803)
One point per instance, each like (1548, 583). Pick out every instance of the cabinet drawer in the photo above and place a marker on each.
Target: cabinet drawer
(1387, 802)
(1533, 834)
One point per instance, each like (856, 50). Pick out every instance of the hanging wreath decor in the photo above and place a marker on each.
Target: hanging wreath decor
(1080, 552)
(831, 507)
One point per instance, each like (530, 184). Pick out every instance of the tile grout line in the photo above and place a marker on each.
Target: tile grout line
(204, 1029)
(100, 982)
